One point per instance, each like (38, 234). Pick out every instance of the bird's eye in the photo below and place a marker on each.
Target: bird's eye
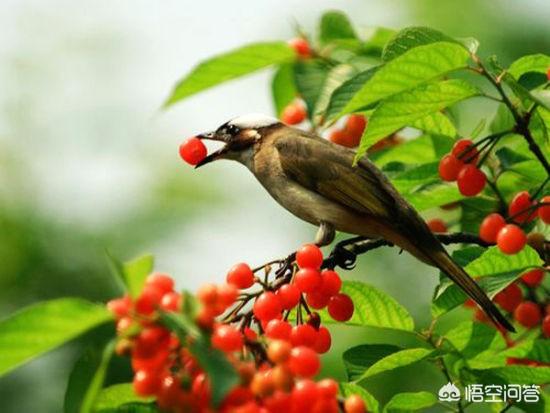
(232, 130)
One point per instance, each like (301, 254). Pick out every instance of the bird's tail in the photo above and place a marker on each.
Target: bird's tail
(455, 272)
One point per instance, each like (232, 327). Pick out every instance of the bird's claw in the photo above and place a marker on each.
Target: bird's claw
(342, 257)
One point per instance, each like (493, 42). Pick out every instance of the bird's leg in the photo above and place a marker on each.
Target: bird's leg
(325, 234)
(343, 257)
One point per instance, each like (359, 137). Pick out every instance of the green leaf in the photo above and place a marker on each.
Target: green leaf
(114, 398)
(136, 271)
(435, 124)
(531, 63)
(412, 68)
(343, 94)
(410, 402)
(376, 40)
(532, 348)
(399, 359)
(415, 151)
(358, 359)
(335, 25)
(283, 89)
(412, 37)
(334, 79)
(309, 77)
(349, 389)
(514, 375)
(403, 109)
(432, 196)
(86, 379)
(41, 327)
(228, 66)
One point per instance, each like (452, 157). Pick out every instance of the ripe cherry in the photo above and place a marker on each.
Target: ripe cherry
(308, 280)
(465, 150)
(300, 46)
(327, 388)
(120, 307)
(227, 294)
(227, 337)
(546, 326)
(304, 362)
(437, 225)
(323, 341)
(449, 167)
(528, 314)
(148, 300)
(309, 256)
(521, 202)
(278, 329)
(241, 276)
(490, 227)
(544, 211)
(304, 395)
(278, 351)
(193, 151)
(208, 294)
(509, 298)
(289, 296)
(163, 282)
(317, 299)
(533, 278)
(146, 382)
(471, 180)
(511, 239)
(331, 283)
(303, 335)
(170, 302)
(355, 125)
(294, 113)
(354, 404)
(344, 138)
(267, 306)
(340, 307)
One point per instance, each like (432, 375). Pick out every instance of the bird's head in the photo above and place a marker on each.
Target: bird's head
(239, 136)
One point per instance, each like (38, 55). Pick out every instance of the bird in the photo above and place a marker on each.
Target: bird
(316, 180)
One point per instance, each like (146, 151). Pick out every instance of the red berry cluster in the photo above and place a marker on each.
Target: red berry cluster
(276, 360)
(350, 135)
(460, 166)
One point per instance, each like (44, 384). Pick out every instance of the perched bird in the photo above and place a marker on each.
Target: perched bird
(315, 180)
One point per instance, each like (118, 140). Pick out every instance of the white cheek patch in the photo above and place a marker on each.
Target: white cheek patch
(252, 133)
(253, 121)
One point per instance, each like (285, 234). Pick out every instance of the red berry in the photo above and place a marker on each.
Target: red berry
(146, 383)
(490, 227)
(548, 74)
(354, 404)
(241, 276)
(170, 302)
(294, 113)
(308, 280)
(201, 389)
(323, 341)
(163, 282)
(465, 150)
(309, 256)
(267, 306)
(528, 314)
(123, 325)
(193, 151)
(149, 341)
(120, 307)
(437, 225)
(509, 298)
(278, 329)
(304, 395)
(278, 351)
(250, 334)
(169, 393)
(148, 300)
(534, 277)
(300, 46)
(303, 335)
(331, 283)
(511, 239)
(327, 388)
(317, 299)
(544, 211)
(344, 138)
(340, 307)
(355, 126)
(304, 362)
(227, 338)
(521, 202)
(546, 326)
(449, 167)
(155, 362)
(289, 295)
(227, 294)
(471, 180)
(208, 294)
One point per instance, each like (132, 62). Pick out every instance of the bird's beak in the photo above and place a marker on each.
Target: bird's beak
(213, 136)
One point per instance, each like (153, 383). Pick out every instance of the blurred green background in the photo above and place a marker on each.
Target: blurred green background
(89, 162)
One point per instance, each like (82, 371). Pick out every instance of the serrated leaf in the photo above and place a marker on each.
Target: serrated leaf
(86, 379)
(432, 196)
(343, 94)
(41, 327)
(411, 37)
(514, 375)
(398, 359)
(337, 75)
(283, 89)
(136, 271)
(412, 68)
(359, 358)
(410, 402)
(532, 348)
(415, 151)
(309, 78)
(435, 124)
(113, 398)
(371, 404)
(531, 63)
(230, 65)
(405, 108)
(335, 25)
(376, 39)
